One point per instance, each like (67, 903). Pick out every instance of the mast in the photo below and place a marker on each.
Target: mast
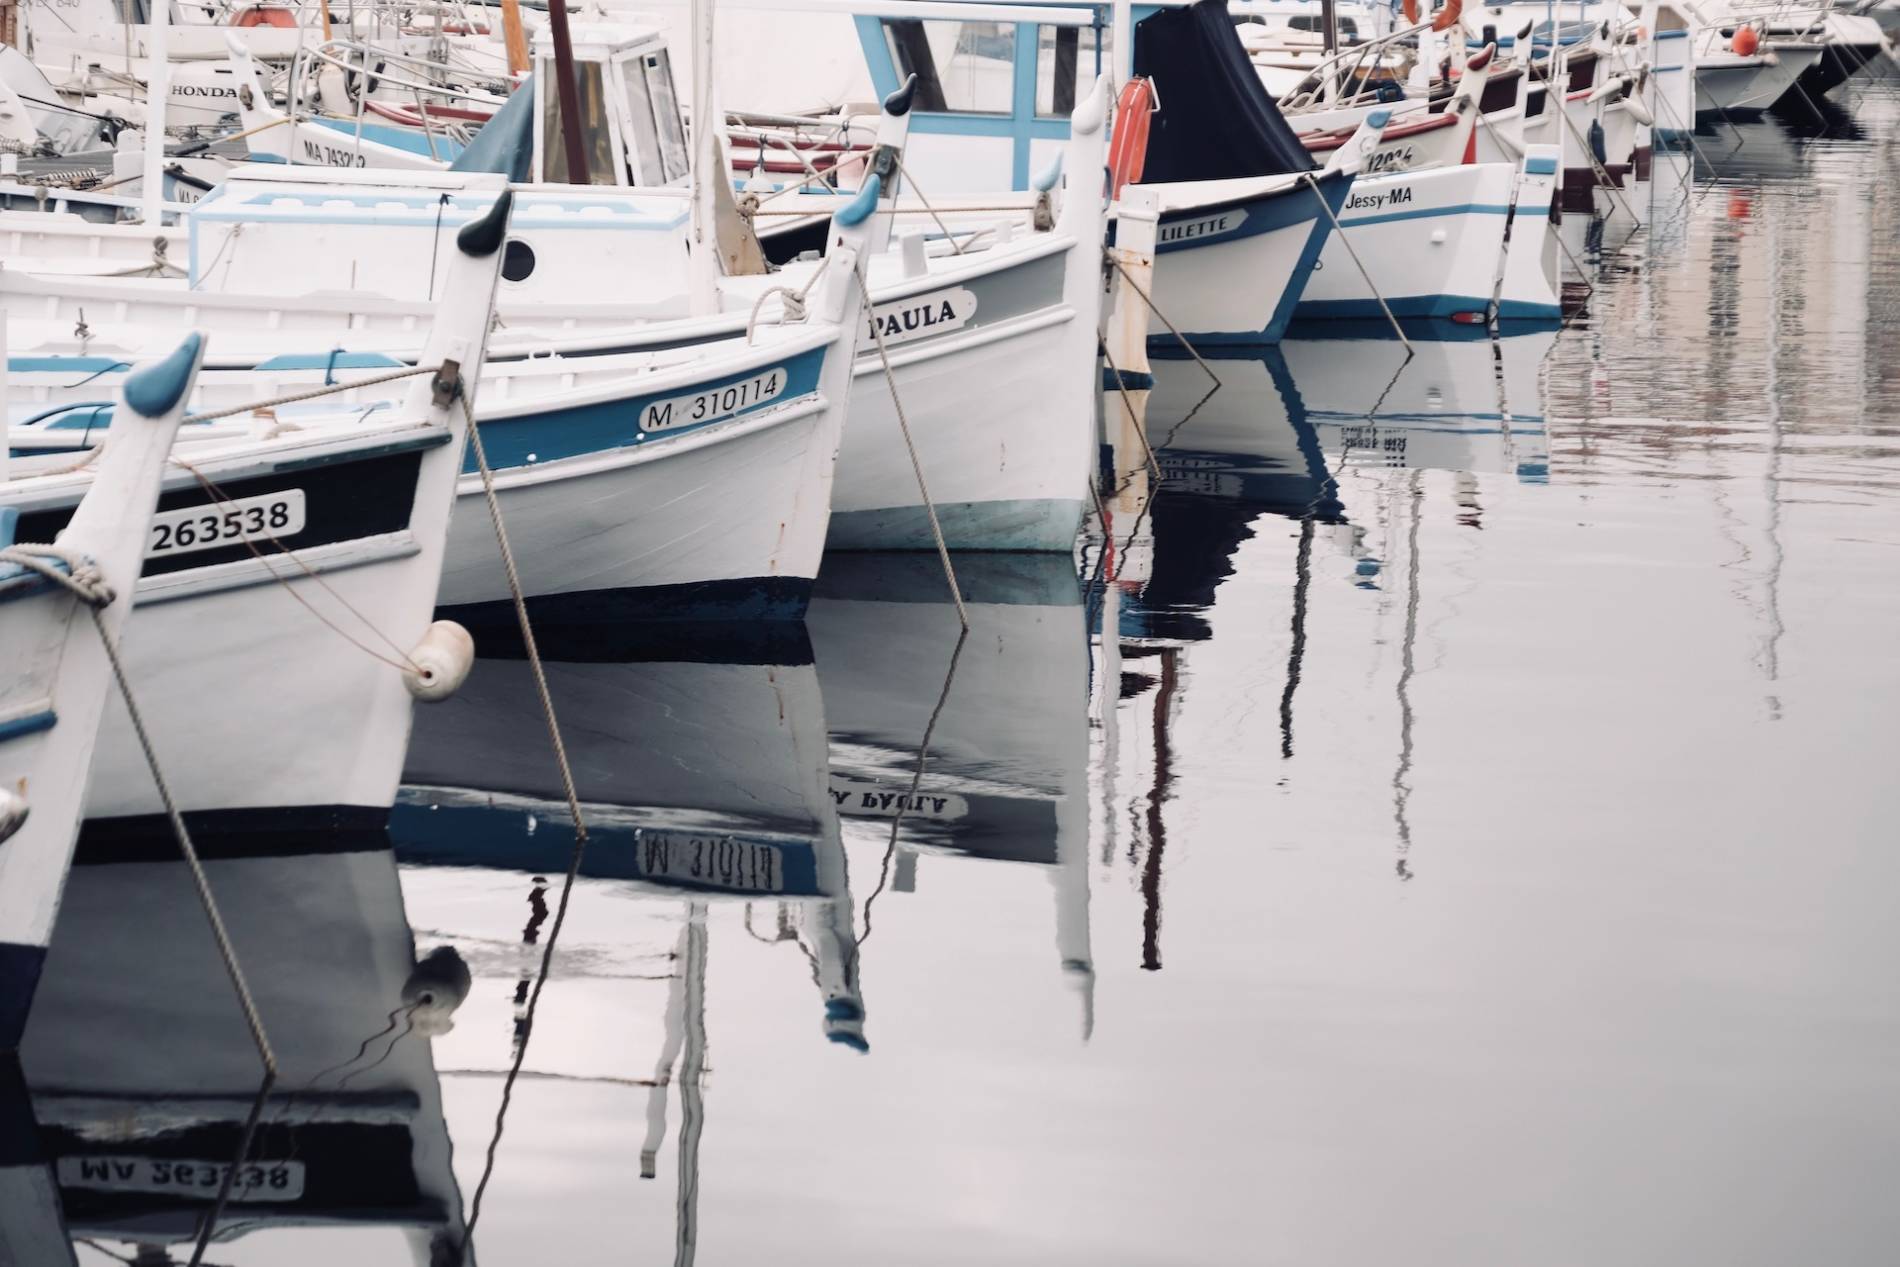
(570, 96)
(158, 88)
(703, 255)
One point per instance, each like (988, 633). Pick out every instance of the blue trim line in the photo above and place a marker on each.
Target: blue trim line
(327, 361)
(31, 724)
(1427, 213)
(1431, 306)
(1541, 165)
(66, 364)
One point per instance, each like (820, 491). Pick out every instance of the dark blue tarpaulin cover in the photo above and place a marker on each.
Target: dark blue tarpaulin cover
(1216, 120)
(505, 143)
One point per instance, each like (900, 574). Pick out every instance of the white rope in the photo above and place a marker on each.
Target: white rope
(567, 786)
(79, 573)
(903, 423)
(794, 307)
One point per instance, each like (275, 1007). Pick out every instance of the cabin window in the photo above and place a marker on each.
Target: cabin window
(1068, 58)
(966, 67)
(596, 140)
(643, 150)
(666, 115)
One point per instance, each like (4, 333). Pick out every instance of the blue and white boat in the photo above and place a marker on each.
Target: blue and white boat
(287, 710)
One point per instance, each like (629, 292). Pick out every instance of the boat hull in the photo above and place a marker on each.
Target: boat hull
(1431, 242)
(1230, 272)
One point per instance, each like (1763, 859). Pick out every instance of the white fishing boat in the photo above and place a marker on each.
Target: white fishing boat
(55, 674)
(1471, 242)
(289, 709)
(966, 326)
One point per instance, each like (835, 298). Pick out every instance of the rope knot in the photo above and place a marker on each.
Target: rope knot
(64, 567)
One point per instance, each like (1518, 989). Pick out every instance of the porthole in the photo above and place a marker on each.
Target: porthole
(517, 260)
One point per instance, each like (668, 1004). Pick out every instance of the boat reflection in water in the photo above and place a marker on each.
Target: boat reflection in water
(143, 1072)
(697, 778)
(955, 746)
(1255, 447)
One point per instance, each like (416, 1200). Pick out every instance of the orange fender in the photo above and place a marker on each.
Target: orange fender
(1128, 147)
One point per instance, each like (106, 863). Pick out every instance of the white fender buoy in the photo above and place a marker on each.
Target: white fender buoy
(442, 659)
(435, 989)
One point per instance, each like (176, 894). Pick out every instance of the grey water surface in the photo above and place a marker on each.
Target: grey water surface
(1444, 814)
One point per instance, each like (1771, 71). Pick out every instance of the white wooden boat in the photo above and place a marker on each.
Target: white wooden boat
(279, 710)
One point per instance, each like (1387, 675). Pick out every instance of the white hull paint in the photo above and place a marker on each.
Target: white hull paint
(727, 521)
(1432, 243)
(1222, 280)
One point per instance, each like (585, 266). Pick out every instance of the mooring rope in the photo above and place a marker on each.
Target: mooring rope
(1147, 299)
(916, 465)
(1340, 232)
(226, 951)
(567, 786)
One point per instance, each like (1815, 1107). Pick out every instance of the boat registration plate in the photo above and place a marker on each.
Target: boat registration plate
(260, 518)
(714, 403)
(255, 1181)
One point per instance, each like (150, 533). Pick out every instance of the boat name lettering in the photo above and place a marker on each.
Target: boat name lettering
(1205, 227)
(1375, 202)
(714, 403)
(939, 312)
(268, 516)
(202, 90)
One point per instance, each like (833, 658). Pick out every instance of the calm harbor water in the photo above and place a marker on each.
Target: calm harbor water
(1449, 820)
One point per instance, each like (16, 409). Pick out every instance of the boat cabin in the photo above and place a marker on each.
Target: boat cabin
(631, 127)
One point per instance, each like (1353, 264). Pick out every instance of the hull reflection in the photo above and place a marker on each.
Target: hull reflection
(143, 1071)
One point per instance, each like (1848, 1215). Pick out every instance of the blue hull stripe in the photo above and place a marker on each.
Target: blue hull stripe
(743, 864)
(615, 424)
(1427, 213)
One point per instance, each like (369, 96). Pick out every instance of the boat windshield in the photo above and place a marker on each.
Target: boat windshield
(595, 139)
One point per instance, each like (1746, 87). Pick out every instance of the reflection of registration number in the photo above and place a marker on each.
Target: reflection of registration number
(227, 523)
(714, 403)
(255, 1181)
(714, 861)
